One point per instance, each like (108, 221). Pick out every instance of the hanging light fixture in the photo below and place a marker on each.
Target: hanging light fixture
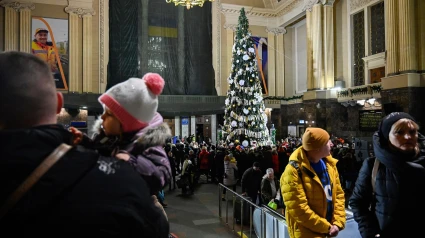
(188, 3)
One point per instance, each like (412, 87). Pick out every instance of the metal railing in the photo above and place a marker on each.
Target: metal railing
(268, 223)
(264, 211)
(243, 201)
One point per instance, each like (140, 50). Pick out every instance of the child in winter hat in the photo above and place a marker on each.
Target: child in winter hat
(134, 102)
(132, 127)
(134, 131)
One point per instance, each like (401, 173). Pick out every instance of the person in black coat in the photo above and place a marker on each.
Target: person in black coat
(83, 193)
(388, 210)
(172, 160)
(219, 163)
(211, 164)
(251, 182)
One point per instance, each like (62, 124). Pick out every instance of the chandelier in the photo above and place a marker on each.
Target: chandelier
(188, 3)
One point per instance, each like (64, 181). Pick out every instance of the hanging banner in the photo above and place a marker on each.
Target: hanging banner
(185, 127)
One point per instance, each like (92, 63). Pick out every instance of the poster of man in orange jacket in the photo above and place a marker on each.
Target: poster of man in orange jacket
(54, 53)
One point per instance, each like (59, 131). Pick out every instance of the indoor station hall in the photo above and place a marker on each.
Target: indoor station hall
(212, 118)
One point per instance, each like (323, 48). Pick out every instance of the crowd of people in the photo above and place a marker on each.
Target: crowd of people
(112, 184)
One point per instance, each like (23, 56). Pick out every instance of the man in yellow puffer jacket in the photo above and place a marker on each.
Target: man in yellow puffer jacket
(312, 192)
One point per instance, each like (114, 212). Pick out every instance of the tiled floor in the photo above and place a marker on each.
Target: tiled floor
(197, 215)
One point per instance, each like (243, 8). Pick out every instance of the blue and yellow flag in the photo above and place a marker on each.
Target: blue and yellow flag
(164, 27)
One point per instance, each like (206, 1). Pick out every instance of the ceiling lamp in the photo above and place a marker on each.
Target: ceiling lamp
(188, 3)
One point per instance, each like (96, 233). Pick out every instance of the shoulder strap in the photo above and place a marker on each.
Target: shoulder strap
(294, 164)
(33, 178)
(374, 172)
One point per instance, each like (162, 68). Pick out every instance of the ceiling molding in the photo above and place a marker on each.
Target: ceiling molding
(250, 11)
(256, 16)
(287, 7)
(262, 16)
(74, 3)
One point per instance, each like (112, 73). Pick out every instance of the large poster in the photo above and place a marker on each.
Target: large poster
(50, 43)
(260, 44)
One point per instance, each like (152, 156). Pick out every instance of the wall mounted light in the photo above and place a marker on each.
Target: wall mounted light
(361, 102)
(371, 101)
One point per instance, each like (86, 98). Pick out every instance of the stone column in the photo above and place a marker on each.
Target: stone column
(74, 80)
(421, 35)
(87, 53)
(181, 50)
(11, 26)
(309, 23)
(270, 81)
(216, 44)
(317, 43)
(214, 129)
(407, 23)
(104, 44)
(177, 126)
(74, 77)
(230, 29)
(328, 46)
(391, 37)
(280, 64)
(192, 126)
(25, 26)
(276, 73)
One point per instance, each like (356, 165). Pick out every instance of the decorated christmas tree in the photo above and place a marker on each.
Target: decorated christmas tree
(244, 115)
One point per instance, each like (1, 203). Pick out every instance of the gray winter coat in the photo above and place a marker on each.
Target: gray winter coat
(229, 170)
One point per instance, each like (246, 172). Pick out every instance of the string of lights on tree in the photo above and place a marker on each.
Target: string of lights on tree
(244, 115)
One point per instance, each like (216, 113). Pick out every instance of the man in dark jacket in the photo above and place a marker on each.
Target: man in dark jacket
(83, 194)
(251, 182)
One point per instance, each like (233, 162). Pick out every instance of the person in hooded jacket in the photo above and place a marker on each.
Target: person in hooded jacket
(203, 162)
(83, 193)
(230, 174)
(219, 163)
(188, 173)
(251, 182)
(132, 129)
(386, 211)
(311, 190)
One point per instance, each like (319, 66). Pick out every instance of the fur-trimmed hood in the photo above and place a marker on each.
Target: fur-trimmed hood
(154, 135)
(145, 147)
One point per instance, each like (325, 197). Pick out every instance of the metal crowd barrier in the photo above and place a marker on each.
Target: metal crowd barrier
(268, 223)
(243, 200)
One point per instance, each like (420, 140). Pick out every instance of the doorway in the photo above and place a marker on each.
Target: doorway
(300, 130)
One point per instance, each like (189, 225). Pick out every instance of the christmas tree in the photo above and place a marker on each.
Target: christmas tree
(244, 115)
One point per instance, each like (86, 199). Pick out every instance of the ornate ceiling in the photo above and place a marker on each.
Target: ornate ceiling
(269, 13)
(269, 4)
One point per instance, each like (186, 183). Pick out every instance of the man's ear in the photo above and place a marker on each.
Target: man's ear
(60, 102)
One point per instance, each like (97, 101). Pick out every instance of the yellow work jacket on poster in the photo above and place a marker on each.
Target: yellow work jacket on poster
(46, 53)
(305, 199)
